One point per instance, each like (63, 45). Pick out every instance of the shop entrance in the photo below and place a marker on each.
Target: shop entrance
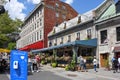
(117, 54)
(103, 58)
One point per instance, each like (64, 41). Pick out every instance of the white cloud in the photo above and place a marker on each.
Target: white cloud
(15, 9)
(69, 1)
(34, 1)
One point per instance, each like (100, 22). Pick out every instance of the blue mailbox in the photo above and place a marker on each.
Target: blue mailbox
(18, 65)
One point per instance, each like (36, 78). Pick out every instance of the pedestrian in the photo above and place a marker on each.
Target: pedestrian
(95, 64)
(80, 60)
(36, 63)
(119, 63)
(37, 57)
(3, 64)
(112, 62)
(115, 65)
(30, 63)
(84, 64)
(81, 63)
(35, 67)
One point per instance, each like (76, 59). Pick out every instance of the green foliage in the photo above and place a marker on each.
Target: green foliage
(70, 66)
(11, 45)
(7, 26)
(54, 64)
(67, 68)
(42, 62)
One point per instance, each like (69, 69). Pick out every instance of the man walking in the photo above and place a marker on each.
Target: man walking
(115, 65)
(95, 64)
(119, 63)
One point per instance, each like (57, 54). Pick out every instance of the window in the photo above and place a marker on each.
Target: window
(37, 24)
(32, 37)
(37, 35)
(40, 12)
(63, 7)
(89, 33)
(57, 14)
(103, 36)
(32, 27)
(40, 22)
(50, 43)
(78, 36)
(57, 5)
(37, 14)
(40, 34)
(69, 38)
(61, 40)
(64, 17)
(118, 33)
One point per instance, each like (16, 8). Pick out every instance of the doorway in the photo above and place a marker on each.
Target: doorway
(103, 58)
(117, 54)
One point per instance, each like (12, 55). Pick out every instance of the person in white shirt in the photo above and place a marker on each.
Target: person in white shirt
(119, 63)
(95, 64)
(30, 63)
(84, 65)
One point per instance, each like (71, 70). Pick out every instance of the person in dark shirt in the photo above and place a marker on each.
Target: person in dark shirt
(115, 65)
(3, 64)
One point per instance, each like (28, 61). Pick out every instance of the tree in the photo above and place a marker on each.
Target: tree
(11, 45)
(7, 28)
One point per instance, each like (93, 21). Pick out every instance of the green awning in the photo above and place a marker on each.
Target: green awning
(86, 43)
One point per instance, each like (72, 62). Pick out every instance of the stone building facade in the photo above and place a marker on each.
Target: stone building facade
(108, 31)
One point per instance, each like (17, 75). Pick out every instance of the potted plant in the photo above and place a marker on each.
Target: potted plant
(54, 64)
(70, 66)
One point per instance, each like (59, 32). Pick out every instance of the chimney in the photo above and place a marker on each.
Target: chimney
(117, 6)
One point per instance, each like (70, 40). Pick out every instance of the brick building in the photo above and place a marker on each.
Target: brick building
(37, 25)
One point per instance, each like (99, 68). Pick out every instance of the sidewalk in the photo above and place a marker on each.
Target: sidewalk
(102, 74)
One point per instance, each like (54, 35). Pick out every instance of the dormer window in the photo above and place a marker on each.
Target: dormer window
(55, 41)
(65, 25)
(79, 19)
(69, 38)
(61, 40)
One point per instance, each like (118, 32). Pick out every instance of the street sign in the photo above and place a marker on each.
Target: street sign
(18, 65)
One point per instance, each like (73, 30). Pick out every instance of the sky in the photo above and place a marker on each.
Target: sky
(21, 8)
